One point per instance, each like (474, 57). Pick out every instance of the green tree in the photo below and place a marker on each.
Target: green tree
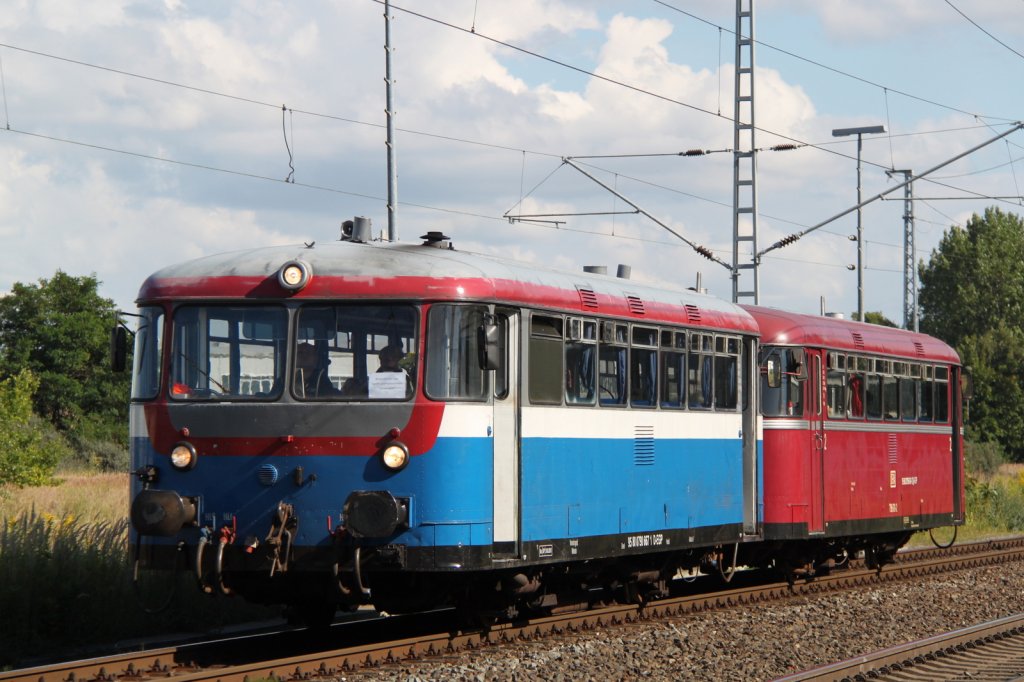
(28, 454)
(974, 281)
(59, 329)
(972, 297)
(874, 317)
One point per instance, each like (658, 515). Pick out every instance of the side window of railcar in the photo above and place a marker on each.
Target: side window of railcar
(355, 352)
(612, 379)
(857, 385)
(643, 367)
(228, 352)
(673, 369)
(148, 354)
(727, 353)
(926, 394)
(453, 360)
(580, 361)
(942, 394)
(908, 391)
(835, 384)
(545, 371)
(873, 390)
(890, 393)
(782, 374)
(699, 374)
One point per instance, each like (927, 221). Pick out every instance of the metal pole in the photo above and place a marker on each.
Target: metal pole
(860, 239)
(390, 113)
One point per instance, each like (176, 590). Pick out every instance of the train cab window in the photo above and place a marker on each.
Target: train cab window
(643, 367)
(148, 354)
(354, 352)
(452, 370)
(942, 394)
(611, 377)
(228, 352)
(782, 378)
(545, 370)
(580, 362)
(835, 384)
(673, 369)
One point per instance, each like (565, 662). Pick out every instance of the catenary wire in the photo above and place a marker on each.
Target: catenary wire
(780, 50)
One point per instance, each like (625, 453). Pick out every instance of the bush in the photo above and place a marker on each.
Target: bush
(29, 451)
(983, 458)
(996, 506)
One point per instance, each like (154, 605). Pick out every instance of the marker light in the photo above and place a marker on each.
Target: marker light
(395, 456)
(183, 456)
(294, 275)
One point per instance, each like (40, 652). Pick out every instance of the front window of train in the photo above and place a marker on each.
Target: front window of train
(355, 352)
(228, 352)
(148, 353)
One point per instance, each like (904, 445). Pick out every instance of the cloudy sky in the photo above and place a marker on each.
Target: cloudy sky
(139, 134)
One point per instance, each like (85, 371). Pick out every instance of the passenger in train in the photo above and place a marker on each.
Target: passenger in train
(311, 380)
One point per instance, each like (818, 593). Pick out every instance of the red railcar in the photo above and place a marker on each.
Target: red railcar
(863, 440)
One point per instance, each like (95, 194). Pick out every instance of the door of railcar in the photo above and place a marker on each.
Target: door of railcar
(816, 434)
(505, 436)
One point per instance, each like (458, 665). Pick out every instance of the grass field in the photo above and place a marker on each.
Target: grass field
(65, 581)
(81, 497)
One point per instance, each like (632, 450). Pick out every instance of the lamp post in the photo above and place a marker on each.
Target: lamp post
(859, 132)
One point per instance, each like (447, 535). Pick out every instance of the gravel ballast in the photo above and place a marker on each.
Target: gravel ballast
(759, 642)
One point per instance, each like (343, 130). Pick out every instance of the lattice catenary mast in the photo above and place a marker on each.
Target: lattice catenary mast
(744, 161)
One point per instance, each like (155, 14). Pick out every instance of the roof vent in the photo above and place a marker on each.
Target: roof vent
(636, 305)
(858, 340)
(436, 239)
(692, 313)
(587, 296)
(358, 230)
(919, 347)
(623, 271)
(596, 269)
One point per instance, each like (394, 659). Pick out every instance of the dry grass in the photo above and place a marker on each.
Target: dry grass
(85, 497)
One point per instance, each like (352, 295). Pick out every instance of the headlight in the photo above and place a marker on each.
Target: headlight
(294, 275)
(183, 456)
(395, 456)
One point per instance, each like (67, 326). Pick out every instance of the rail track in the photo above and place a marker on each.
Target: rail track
(303, 654)
(989, 651)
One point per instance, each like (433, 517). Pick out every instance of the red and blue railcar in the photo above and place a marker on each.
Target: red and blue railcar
(542, 433)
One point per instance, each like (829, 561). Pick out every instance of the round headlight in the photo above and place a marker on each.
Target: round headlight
(183, 456)
(395, 456)
(294, 275)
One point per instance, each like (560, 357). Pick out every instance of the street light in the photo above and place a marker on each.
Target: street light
(859, 132)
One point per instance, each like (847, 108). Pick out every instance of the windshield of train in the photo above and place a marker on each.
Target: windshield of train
(228, 352)
(148, 353)
(355, 352)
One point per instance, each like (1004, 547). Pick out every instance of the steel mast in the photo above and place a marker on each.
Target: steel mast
(744, 161)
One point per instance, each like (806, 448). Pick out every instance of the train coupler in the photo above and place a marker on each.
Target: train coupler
(279, 538)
